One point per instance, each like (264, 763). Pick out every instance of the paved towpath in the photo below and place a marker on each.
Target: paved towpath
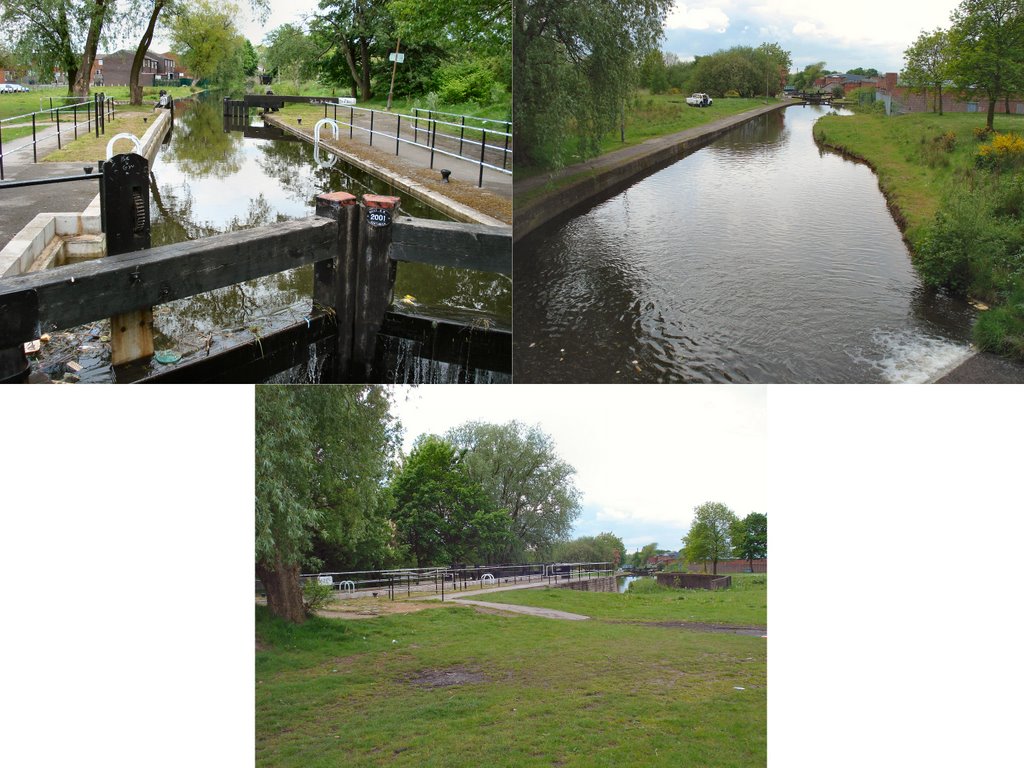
(529, 610)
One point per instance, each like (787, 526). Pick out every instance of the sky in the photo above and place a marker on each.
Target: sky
(644, 456)
(869, 33)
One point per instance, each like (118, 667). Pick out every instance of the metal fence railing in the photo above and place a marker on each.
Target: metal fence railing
(463, 140)
(459, 578)
(96, 112)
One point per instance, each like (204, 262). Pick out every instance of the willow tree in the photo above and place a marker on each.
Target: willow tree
(322, 460)
(520, 469)
(575, 63)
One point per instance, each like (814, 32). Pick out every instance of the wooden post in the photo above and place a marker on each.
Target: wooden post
(334, 280)
(125, 216)
(375, 280)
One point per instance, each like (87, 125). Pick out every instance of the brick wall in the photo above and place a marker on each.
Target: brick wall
(730, 566)
(600, 584)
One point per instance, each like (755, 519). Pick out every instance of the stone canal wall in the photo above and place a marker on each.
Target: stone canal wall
(599, 584)
(604, 175)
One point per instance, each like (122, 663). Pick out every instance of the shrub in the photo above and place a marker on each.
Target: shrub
(947, 141)
(1005, 151)
(982, 133)
(1001, 329)
(732, 94)
(462, 81)
(315, 596)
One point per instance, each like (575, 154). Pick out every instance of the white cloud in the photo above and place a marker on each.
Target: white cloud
(684, 17)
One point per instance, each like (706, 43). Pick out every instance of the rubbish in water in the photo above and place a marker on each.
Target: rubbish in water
(32, 347)
(167, 356)
(73, 367)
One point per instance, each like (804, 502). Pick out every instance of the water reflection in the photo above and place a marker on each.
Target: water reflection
(757, 259)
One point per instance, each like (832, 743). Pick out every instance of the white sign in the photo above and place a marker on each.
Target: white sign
(399, 57)
(325, 580)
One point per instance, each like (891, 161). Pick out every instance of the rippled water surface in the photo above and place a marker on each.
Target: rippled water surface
(757, 259)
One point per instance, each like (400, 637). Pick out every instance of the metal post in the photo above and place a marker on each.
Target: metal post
(325, 110)
(74, 111)
(1, 151)
(371, 127)
(433, 141)
(58, 129)
(442, 586)
(504, 157)
(483, 149)
(416, 126)
(94, 116)
(462, 134)
(351, 120)
(398, 134)
(34, 158)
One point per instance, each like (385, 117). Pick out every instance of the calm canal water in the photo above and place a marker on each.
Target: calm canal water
(757, 259)
(207, 181)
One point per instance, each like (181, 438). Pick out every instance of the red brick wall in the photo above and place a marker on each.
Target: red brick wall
(731, 566)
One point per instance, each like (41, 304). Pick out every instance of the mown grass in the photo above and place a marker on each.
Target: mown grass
(746, 603)
(535, 692)
(964, 224)
(88, 148)
(13, 104)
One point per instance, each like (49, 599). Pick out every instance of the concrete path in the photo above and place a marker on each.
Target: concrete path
(546, 613)
(20, 206)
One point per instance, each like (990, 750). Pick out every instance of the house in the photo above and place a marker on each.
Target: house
(665, 559)
(115, 68)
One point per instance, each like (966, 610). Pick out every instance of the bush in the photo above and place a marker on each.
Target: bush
(982, 133)
(732, 94)
(1001, 329)
(1005, 151)
(463, 81)
(315, 596)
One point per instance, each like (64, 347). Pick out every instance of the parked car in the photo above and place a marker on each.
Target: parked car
(12, 88)
(699, 100)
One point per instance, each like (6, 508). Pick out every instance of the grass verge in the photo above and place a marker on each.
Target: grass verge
(88, 148)
(452, 687)
(42, 99)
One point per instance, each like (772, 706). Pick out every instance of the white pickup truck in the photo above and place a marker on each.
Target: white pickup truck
(699, 100)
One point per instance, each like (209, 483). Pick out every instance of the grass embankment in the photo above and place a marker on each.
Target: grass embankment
(745, 604)
(963, 222)
(451, 687)
(43, 99)
(650, 116)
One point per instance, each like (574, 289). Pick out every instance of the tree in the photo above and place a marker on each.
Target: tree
(442, 514)
(928, 63)
(250, 60)
(350, 33)
(987, 40)
(750, 537)
(603, 548)
(872, 72)
(322, 457)
(290, 53)
(518, 467)
(803, 81)
(640, 557)
(205, 36)
(97, 13)
(710, 534)
(575, 62)
(49, 33)
(134, 89)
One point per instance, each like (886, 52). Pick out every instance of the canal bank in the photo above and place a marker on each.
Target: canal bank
(460, 200)
(546, 197)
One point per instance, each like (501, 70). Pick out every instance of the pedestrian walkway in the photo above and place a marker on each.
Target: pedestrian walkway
(529, 610)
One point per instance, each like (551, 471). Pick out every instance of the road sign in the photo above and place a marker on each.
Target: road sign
(398, 58)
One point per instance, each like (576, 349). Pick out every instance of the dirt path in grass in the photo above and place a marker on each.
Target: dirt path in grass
(547, 613)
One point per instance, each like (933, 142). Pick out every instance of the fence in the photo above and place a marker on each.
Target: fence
(444, 580)
(353, 246)
(97, 112)
(468, 132)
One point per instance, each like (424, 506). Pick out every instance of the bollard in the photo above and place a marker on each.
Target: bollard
(334, 281)
(125, 218)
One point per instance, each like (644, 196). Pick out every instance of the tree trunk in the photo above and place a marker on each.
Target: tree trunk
(284, 595)
(364, 84)
(991, 119)
(940, 99)
(91, 44)
(134, 89)
(714, 567)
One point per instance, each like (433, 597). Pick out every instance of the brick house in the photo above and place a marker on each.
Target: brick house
(116, 68)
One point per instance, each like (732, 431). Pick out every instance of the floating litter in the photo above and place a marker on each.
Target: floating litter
(167, 356)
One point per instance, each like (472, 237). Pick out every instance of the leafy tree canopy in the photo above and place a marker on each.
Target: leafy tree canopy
(710, 535)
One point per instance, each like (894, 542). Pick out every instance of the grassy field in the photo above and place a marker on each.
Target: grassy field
(449, 686)
(36, 100)
(745, 604)
(89, 149)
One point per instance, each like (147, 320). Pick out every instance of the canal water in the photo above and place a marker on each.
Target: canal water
(207, 181)
(760, 258)
(623, 582)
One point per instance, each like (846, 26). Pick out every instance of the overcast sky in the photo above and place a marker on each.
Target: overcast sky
(645, 456)
(868, 33)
